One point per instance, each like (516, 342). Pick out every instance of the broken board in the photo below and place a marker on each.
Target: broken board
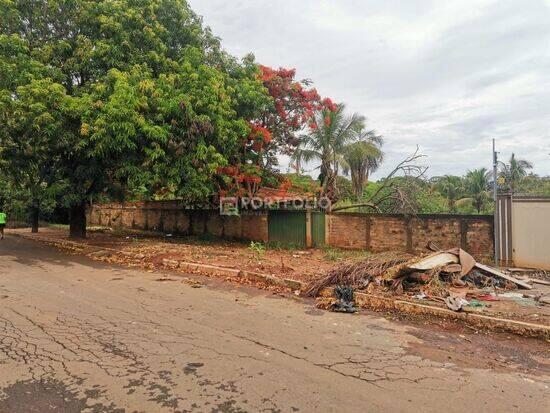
(439, 259)
(500, 274)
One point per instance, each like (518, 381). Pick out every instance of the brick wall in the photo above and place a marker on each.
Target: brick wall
(377, 232)
(172, 217)
(374, 232)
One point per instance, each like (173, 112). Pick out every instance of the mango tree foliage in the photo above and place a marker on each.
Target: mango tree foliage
(150, 104)
(35, 137)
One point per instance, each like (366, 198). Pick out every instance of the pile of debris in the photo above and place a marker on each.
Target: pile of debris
(452, 277)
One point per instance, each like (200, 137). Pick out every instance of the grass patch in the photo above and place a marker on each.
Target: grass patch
(257, 248)
(337, 254)
(56, 226)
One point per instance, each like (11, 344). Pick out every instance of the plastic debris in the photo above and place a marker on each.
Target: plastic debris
(345, 300)
(456, 303)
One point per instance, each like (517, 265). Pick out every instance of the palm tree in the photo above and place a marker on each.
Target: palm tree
(452, 188)
(361, 158)
(328, 135)
(477, 183)
(515, 171)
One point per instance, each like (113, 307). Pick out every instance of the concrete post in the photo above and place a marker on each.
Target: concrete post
(309, 222)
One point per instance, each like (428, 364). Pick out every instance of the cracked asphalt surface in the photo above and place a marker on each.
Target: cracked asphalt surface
(77, 335)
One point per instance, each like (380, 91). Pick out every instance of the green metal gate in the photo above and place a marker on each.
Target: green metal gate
(287, 227)
(317, 229)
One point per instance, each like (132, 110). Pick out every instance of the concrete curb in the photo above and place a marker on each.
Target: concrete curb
(206, 269)
(363, 300)
(232, 273)
(480, 321)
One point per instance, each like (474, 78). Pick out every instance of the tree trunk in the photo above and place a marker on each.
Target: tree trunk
(357, 185)
(77, 221)
(35, 212)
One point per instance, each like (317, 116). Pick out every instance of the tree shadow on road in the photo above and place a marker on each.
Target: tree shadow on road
(35, 254)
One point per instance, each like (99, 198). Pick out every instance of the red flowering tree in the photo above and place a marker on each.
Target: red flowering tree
(273, 131)
(241, 180)
(294, 107)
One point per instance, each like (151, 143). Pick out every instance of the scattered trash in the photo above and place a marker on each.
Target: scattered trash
(437, 259)
(345, 301)
(444, 276)
(452, 268)
(511, 295)
(419, 277)
(456, 303)
(500, 274)
(520, 299)
(488, 297)
(475, 303)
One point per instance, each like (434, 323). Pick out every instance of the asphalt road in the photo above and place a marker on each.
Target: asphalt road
(76, 336)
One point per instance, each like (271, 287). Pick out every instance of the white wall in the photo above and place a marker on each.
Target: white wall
(531, 233)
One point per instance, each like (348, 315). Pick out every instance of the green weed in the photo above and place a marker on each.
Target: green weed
(257, 248)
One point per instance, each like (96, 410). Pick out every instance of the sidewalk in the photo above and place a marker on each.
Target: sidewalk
(154, 250)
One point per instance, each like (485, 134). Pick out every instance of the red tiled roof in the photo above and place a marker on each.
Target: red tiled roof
(280, 195)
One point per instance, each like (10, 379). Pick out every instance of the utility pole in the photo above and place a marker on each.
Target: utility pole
(495, 197)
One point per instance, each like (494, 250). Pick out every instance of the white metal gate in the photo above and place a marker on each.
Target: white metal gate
(523, 231)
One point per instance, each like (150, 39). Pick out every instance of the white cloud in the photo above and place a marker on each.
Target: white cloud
(448, 76)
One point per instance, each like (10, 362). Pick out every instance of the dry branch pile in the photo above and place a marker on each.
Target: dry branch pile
(356, 274)
(433, 275)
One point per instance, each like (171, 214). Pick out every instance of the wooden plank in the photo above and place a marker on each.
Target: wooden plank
(496, 272)
(536, 281)
(438, 259)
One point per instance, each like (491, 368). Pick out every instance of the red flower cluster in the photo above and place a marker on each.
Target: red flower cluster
(252, 179)
(285, 185)
(330, 105)
(295, 104)
(228, 170)
(259, 132)
(267, 73)
(258, 137)
(247, 173)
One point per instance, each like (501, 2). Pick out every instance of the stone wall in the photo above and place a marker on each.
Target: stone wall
(172, 217)
(377, 232)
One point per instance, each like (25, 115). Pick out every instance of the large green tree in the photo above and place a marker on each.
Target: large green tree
(35, 137)
(147, 100)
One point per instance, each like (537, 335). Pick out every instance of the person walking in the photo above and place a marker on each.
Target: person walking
(2, 223)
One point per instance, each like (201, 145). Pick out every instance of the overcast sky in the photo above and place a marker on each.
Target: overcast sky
(446, 75)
